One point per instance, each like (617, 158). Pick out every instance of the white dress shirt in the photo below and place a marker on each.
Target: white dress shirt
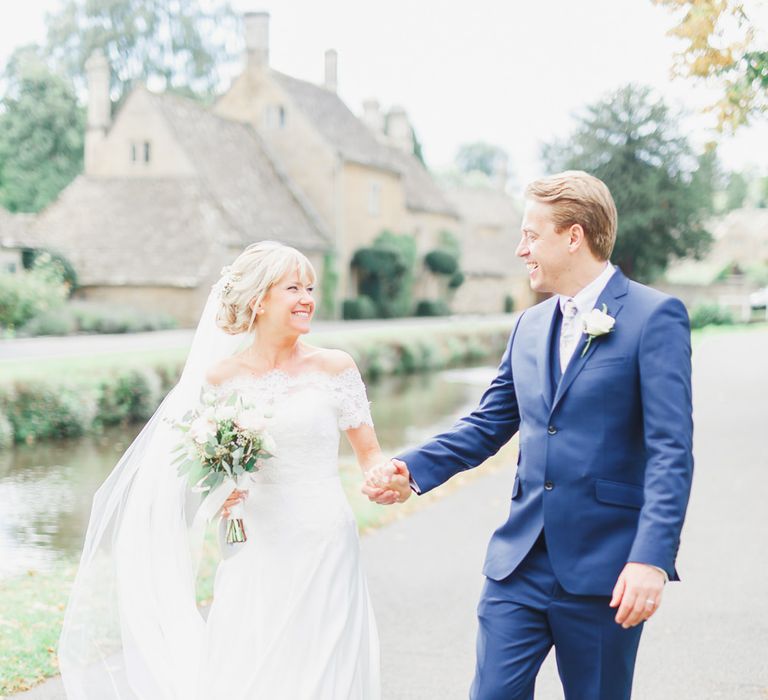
(585, 301)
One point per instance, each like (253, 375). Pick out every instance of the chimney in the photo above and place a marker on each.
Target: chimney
(331, 70)
(256, 39)
(501, 172)
(373, 116)
(399, 129)
(99, 106)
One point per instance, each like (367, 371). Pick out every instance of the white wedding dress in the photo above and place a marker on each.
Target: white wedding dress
(291, 617)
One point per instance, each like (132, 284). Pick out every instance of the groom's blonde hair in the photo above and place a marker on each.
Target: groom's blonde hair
(577, 197)
(248, 279)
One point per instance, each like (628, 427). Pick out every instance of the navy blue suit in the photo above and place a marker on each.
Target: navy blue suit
(603, 478)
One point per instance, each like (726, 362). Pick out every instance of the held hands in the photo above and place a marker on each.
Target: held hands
(637, 594)
(388, 483)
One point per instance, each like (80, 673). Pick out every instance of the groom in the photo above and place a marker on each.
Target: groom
(597, 380)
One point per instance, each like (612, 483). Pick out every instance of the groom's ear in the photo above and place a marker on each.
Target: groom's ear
(576, 237)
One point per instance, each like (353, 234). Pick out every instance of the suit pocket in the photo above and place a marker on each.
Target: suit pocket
(516, 488)
(619, 494)
(605, 362)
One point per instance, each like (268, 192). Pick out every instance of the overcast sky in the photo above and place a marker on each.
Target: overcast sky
(511, 73)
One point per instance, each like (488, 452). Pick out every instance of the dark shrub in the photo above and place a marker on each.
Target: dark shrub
(457, 279)
(441, 262)
(710, 315)
(432, 307)
(359, 308)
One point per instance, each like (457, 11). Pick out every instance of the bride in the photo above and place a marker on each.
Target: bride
(291, 617)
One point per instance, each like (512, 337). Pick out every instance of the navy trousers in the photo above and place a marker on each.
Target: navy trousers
(523, 616)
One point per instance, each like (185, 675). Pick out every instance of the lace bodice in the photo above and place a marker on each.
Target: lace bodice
(304, 414)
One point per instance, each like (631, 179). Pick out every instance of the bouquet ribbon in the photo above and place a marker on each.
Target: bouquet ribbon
(208, 509)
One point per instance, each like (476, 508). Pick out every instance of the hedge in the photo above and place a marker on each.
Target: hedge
(42, 409)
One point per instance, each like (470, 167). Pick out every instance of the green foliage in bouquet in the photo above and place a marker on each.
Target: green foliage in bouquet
(220, 441)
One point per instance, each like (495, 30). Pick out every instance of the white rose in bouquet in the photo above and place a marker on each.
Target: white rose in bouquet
(202, 429)
(268, 443)
(251, 420)
(225, 413)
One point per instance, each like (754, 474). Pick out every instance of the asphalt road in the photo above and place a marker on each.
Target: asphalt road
(709, 639)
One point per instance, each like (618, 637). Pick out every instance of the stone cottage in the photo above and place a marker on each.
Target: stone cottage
(172, 190)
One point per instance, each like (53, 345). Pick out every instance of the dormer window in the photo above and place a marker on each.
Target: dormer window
(141, 152)
(274, 116)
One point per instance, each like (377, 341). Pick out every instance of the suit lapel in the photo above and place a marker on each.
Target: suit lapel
(544, 345)
(615, 289)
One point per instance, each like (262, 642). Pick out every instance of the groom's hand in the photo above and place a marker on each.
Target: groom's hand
(637, 593)
(388, 484)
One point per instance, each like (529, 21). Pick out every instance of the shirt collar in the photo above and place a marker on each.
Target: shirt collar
(586, 299)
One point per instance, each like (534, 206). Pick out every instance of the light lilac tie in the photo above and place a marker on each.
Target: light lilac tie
(568, 333)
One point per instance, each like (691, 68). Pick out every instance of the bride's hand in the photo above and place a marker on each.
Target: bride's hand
(234, 498)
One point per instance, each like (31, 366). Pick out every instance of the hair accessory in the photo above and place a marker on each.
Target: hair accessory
(227, 281)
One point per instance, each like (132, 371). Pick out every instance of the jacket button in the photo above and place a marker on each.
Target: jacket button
(548, 486)
(552, 430)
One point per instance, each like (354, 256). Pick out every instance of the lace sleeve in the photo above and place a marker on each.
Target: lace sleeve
(352, 401)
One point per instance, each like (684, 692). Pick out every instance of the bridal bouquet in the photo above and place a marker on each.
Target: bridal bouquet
(223, 443)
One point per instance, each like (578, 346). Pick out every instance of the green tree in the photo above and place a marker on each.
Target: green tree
(630, 142)
(41, 133)
(178, 45)
(736, 191)
(480, 156)
(720, 47)
(707, 179)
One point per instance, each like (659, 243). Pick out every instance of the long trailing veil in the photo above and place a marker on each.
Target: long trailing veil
(132, 628)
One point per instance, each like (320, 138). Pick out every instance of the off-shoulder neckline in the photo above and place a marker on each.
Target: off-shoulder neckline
(315, 374)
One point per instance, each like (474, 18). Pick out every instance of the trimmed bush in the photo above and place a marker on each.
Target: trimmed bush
(432, 307)
(55, 263)
(132, 395)
(358, 308)
(441, 262)
(41, 411)
(457, 279)
(710, 315)
(6, 432)
(59, 322)
(89, 317)
(24, 295)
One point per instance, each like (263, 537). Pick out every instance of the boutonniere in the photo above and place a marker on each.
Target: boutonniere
(597, 323)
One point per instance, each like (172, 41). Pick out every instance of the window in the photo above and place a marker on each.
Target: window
(146, 152)
(274, 116)
(374, 199)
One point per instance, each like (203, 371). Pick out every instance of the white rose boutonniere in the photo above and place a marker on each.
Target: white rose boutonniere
(597, 323)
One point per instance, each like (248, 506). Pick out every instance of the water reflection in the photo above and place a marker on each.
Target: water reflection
(46, 490)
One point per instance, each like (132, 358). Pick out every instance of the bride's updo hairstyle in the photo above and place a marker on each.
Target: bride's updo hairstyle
(246, 282)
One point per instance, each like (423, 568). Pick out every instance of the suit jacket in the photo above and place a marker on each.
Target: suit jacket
(605, 462)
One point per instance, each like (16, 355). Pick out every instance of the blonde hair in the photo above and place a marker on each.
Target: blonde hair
(247, 280)
(577, 197)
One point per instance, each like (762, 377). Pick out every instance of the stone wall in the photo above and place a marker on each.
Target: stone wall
(140, 123)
